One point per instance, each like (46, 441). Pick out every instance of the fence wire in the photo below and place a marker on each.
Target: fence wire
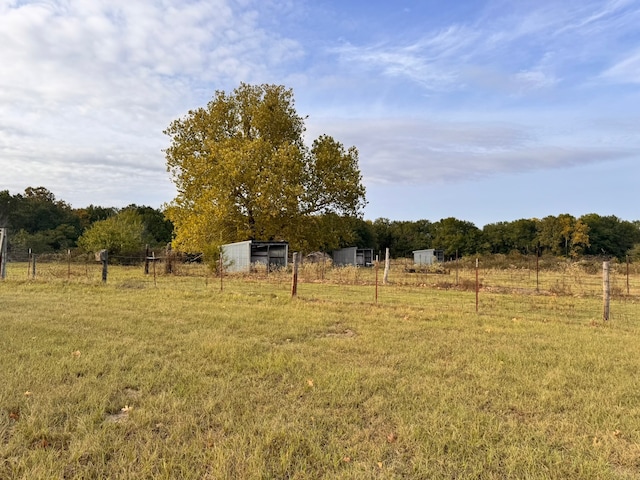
(569, 288)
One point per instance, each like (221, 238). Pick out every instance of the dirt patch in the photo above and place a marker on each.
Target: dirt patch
(346, 333)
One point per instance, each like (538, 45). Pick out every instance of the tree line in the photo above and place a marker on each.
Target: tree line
(563, 235)
(39, 221)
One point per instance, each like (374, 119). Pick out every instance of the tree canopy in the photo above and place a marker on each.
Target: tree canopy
(242, 171)
(38, 220)
(121, 234)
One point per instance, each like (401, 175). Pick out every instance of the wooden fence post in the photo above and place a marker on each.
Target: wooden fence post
(457, 266)
(68, 264)
(477, 284)
(606, 292)
(387, 265)
(294, 277)
(377, 268)
(221, 267)
(537, 269)
(155, 278)
(146, 259)
(3, 253)
(627, 275)
(104, 258)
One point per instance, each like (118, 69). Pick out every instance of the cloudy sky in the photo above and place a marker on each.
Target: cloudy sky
(483, 110)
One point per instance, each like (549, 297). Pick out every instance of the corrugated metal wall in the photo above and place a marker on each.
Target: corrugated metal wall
(345, 256)
(237, 256)
(240, 256)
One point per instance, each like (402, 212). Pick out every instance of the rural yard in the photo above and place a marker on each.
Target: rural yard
(174, 378)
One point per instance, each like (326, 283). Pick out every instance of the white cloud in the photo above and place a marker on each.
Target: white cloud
(87, 86)
(509, 47)
(625, 71)
(417, 151)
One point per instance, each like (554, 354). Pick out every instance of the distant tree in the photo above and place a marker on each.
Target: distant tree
(496, 237)
(92, 213)
(38, 221)
(363, 234)
(402, 237)
(331, 231)
(457, 236)
(382, 233)
(122, 234)
(7, 205)
(409, 236)
(156, 224)
(242, 172)
(609, 235)
(522, 235)
(563, 235)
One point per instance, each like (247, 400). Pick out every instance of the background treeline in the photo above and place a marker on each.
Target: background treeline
(562, 235)
(37, 220)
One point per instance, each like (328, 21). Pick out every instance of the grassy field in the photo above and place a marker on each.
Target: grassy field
(177, 379)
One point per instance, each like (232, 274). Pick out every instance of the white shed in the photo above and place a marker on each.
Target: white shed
(241, 256)
(428, 256)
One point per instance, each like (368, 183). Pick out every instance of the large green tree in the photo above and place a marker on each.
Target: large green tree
(506, 237)
(243, 171)
(563, 235)
(609, 235)
(456, 237)
(121, 234)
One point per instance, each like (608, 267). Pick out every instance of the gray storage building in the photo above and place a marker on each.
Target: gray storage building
(428, 256)
(360, 257)
(242, 256)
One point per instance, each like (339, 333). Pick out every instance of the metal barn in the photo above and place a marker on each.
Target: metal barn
(242, 256)
(360, 257)
(428, 256)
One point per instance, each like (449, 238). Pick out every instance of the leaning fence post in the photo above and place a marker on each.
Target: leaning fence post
(606, 293)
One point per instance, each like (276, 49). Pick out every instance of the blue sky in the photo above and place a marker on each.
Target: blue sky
(486, 111)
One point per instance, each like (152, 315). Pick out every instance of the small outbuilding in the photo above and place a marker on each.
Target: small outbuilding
(243, 256)
(428, 256)
(360, 257)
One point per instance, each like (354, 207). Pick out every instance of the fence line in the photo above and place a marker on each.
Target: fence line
(573, 288)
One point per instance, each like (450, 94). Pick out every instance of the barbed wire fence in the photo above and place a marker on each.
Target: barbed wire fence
(473, 288)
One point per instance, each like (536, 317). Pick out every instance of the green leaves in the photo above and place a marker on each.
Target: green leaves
(121, 234)
(242, 172)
